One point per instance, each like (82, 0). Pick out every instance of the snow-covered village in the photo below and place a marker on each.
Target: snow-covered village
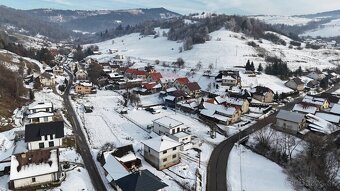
(130, 99)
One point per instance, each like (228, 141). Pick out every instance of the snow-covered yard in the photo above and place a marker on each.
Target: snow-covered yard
(104, 125)
(258, 173)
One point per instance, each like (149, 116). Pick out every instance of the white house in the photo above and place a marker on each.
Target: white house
(316, 75)
(44, 135)
(162, 152)
(40, 107)
(40, 117)
(34, 168)
(167, 126)
(81, 75)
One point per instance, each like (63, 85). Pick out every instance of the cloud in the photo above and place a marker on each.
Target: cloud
(61, 2)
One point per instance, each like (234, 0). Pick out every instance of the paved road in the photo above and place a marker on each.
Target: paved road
(217, 166)
(82, 145)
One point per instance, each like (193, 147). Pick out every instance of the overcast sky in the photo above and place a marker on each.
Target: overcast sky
(279, 7)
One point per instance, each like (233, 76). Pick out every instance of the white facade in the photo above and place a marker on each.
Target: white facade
(40, 117)
(37, 180)
(45, 142)
(167, 126)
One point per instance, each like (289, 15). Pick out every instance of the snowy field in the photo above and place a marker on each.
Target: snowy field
(286, 20)
(330, 29)
(258, 173)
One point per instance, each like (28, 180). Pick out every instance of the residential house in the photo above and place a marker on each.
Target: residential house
(40, 117)
(192, 89)
(154, 77)
(167, 82)
(320, 103)
(133, 73)
(58, 70)
(220, 113)
(84, 88)
(34, 168)
(150, 88)
(40, 107)
(316, 75)
(291, 121)
(47, 79)
(189, 106)
(138, 181)
(173, 97)
(120, 162)
(304, 108)
(331, 98)
(313, 84)
(229, 81)
(167, 126)
(162, 152)
(81, 74)
(179, 83)
(44, 135)
(228, 78)
(295, 84)
(263, 94)
(115, 76)
(238, 103)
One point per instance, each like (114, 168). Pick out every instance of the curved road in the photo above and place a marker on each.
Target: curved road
(82, 145)
(217, 166)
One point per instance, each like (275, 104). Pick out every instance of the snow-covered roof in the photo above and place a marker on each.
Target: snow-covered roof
(335, 109)
(181, 134)
(23, 166)
(328, 117)
(115, 75)
(40, 105)
(161, 143)
(114, 168)
(172, 89)
(320, 125)
(304, 109)
(167, 122)
(169, 97)
(224, 77)
(227, 111)
(290, 116)
(128, 157)
(39, 114)
(235, 101)
(314, 100)
(87, 84)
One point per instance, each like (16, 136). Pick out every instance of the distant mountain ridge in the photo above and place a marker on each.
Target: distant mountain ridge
(100, 20)
(328, 14)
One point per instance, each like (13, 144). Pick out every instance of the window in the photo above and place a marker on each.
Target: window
(41, 145)
(46, 137)
(174, 148)
(174, 156)
(51, 137)
(173, 131)
(164, 152)
(45, 119)
(165, 159)
(51, 144)
(33, 179)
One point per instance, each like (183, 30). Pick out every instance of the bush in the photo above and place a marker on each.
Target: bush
(252, 43)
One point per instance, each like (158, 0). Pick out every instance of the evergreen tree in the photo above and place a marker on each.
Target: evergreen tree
(324, 83)
(260, 68)
(252, 67)
(248, 65)
(299, 71)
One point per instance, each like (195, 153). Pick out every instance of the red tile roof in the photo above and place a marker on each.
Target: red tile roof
(149, 86)
(193, 86)
(183, 80)
(131, 70)
(155, 76)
